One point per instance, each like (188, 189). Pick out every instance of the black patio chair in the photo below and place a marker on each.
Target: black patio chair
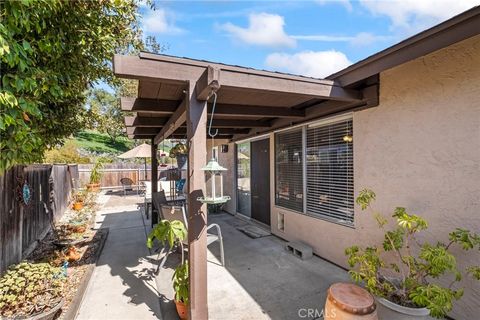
(127, 184)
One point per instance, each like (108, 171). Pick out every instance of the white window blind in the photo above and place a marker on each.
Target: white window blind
(289, 170)
(329, 165)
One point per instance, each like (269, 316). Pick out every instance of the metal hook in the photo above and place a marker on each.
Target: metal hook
(211, 116)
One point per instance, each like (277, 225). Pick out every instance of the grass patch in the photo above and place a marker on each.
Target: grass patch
(94, 141)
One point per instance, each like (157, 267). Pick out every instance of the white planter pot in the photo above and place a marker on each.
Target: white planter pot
(388, 310)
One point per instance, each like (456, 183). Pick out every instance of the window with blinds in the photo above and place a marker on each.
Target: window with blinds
(289, 170)
(329, 166)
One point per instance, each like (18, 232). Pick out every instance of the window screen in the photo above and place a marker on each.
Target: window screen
(289, 170)
(329, 165)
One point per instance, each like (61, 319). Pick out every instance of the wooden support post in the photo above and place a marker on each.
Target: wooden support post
(196, 115)
(154, 164)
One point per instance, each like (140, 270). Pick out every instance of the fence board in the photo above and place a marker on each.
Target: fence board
(113, 172)
(22, 226)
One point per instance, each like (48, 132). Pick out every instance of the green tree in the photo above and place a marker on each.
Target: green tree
(105, 108)
(51, 52)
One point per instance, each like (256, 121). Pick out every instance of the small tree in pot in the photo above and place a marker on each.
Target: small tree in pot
(95, 176)
(174, 233)
(403, 278)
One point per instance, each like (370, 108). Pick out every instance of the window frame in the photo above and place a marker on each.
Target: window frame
(304, 127)
(275, 168)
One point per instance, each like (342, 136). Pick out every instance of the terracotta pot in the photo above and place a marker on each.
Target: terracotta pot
(77, 228)
(93, 187)
(392, 311)
(77, 206)
(347, 301)
(181, 310)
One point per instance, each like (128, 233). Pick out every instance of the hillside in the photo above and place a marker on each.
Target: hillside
(93, 141)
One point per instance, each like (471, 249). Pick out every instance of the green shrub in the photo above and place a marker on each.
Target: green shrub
(402, 268)
(68, 153)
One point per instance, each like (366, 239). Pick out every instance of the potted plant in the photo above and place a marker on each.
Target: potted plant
(31, 291)
(180, 152)
(78, 199)
(95, 176)
(174, 233)
(180, 287)
(400, 272)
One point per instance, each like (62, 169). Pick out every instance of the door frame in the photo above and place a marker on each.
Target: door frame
(266, 136)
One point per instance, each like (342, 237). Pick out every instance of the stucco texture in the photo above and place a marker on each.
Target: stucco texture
(420, 149)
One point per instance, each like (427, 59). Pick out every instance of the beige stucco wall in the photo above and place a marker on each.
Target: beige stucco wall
(420, 148)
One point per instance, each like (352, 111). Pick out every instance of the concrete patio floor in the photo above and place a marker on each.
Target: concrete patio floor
(122, 285)
(261, 280)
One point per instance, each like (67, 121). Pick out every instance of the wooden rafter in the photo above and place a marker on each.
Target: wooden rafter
(142, 122)
(148, 105)
(177, 119)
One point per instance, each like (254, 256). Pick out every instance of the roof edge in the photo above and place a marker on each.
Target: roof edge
(462, 26)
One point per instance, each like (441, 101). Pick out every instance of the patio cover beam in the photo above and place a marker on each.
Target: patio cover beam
(133, 136)
(160, 106)
(142, 131)
(208, 81)
(320, 110)
(237, 80)
(145, 122)
(177, 119)
(175, 69)
(134, 67)
(260, 111)
(234, 123)
(156, 122)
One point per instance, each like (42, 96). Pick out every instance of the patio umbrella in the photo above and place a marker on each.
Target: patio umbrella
(142, 151)
(242, 156)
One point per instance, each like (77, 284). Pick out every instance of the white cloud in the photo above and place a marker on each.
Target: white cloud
(317, 64)
(414, 15)
(160, 21)
(263, 29)
(345, 3)
(360, 39)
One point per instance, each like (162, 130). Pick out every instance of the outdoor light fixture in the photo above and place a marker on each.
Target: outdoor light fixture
(213, 172)
(347, 138)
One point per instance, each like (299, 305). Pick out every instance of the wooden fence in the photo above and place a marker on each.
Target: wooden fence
(23, 225)
(112, 173)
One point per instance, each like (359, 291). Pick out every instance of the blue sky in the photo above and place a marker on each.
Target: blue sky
(312, 38)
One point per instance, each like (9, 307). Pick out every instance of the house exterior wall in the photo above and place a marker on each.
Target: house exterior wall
(420, 148)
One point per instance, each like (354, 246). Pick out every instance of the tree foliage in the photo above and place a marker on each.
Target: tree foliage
(51, 52)
(105, 113)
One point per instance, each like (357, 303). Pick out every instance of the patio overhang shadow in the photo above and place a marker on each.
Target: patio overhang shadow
(172, 103)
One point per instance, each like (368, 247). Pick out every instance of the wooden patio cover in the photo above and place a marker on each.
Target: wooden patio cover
(172, 102)
(249, 102)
